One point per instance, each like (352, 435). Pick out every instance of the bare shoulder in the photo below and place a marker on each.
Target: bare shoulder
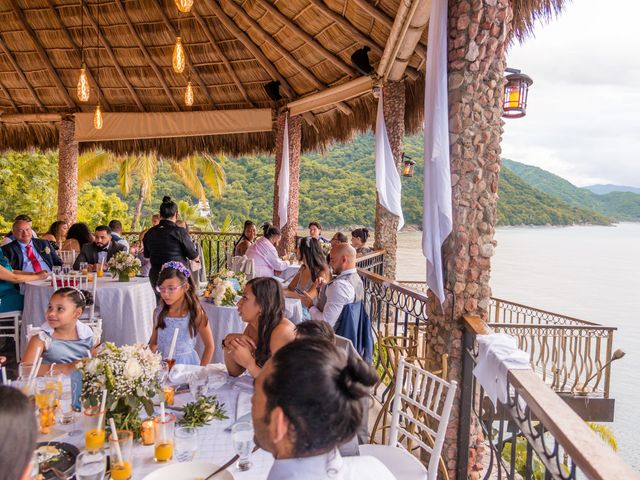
(284, 333)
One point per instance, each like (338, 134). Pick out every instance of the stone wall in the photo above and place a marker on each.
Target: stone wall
(67, 173)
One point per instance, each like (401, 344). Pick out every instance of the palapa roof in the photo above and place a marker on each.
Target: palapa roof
(234, 48)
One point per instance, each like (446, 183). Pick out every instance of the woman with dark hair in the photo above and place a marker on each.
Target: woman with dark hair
(167, 242)
(57, 233)
(314, 266)
(246, 240)
(262, 308)
(359, 238)
(264, 254)
(19, 434)
(77, 236)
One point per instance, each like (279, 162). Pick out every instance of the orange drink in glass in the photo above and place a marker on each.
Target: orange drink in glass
(46, 403)
(94, 432)
(121, 465)
(163, 437)
(169, 393)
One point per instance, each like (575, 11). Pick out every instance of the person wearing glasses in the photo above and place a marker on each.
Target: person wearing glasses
(180, 309)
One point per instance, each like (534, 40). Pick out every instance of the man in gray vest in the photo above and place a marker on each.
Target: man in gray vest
(345, 288)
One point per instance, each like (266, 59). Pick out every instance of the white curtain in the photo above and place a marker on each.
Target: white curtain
(387, 178)
(283, 177)
(437, 221)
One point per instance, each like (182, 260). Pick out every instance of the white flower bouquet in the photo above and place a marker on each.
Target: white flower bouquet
(224, 286)
(130, 376)
(124, 265)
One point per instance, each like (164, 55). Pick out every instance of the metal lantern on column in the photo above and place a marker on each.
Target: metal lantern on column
(515, 94)
(407, 166)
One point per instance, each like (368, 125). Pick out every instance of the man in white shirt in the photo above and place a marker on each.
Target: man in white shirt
(307, 403)
(345, 288)
(116, 233)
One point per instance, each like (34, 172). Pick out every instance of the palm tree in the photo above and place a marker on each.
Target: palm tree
(93, 164)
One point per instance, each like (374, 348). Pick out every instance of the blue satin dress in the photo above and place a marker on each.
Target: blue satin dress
(10, 298)
(185, 352)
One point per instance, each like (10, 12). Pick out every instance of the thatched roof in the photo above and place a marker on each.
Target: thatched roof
(234, 48)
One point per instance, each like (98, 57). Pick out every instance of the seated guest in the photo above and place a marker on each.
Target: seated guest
(307, 402)
(77, 237)
(359, 238)
(10, 297)
(315, 231)
(264, 254)
(337, 239)
(29, 254)
(19, 434)
(10, 237)
(246, 240)
(116, 233)
(102, 248)
(57, 234)
(345, 288)
(63, 339)
(314, 266)
(262, 308)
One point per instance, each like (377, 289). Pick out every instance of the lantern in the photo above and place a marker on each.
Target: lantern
(407, 166)
(97, 118)
(83, 85)
(184, 5)
(515, 94)
(188, 95)
(179, 56)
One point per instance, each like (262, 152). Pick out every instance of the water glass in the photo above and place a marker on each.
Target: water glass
(163, 437)
(197, 386)
(242, 437)
(186, 440)
(56, 269)
(91, 465)
(94, 432)
(24, 370)
(121, 468)
(66, 407)
(84, 268)
(66, 269)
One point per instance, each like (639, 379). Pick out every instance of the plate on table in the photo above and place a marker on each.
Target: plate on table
(189, 471)
(59, 455)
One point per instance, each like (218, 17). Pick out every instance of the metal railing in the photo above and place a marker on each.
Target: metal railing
(371, 262)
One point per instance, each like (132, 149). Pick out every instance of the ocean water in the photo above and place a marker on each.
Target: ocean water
(588, 272)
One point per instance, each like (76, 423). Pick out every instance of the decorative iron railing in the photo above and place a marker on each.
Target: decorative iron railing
(372, 262)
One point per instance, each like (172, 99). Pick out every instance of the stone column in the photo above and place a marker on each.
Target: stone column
(287, 244)
(67, 172)
(386, 227)
(478, 31)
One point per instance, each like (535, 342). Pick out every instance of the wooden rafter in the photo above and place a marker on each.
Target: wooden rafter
(113, 58)
(194, 72)
(146, 55)
(6, 94)
(67, 35)
(308, 39)
(21, 74)
(253, 48)
(220, 54)
(42, 54)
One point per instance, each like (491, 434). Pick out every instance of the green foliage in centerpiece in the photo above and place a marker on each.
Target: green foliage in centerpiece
(224, 286)
(124, 265)
(202, 412)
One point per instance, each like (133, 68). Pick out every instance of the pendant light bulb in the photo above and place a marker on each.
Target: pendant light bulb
(83, 85)
(97, 118)
(184, 5)
(188, 95)
(179, 56)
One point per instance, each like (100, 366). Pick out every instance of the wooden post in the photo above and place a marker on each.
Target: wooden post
(67, 172)
(287, 244)
(386, 226)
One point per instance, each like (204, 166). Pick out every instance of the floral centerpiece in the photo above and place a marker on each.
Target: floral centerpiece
(124, 265)
(224, 286)
(130, 376)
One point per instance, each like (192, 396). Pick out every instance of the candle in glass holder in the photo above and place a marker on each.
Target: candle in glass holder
(146, 432)
(168, 395)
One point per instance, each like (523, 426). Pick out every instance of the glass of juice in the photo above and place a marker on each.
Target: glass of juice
(163, 437)
(46, 399)
(121, 465)
(94, 431)
(169, 393)
(99, 270)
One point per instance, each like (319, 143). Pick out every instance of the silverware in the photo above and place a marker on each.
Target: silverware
(228, 464)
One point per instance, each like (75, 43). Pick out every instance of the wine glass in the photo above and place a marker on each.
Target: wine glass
(242, 437)
(91, 465)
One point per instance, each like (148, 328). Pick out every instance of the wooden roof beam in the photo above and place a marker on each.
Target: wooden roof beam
(21, 74)
(284, 52)
(253, 48)
(66, 33)
(309, 40)
(6, 94)
(113, 58)
(220, 54)
(194, 72)
(42, 54)
(146, 55)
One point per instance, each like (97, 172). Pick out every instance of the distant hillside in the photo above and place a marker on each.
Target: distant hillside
(621, 206)
(608, 188)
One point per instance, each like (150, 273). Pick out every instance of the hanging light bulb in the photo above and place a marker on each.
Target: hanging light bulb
(188, 95)
(83, 85)
(179, 56)
(184, 5)
(97, 118)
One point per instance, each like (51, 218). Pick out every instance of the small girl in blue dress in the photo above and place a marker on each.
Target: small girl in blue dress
(180, 308)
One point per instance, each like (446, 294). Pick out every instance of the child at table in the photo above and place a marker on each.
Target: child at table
(180, 309)
(62, 339)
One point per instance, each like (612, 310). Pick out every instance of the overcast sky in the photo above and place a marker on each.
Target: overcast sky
(583, 118)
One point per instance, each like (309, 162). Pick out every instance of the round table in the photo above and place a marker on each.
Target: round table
(126, 308)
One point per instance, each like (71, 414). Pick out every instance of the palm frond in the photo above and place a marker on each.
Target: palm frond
(93, 164)
(212, 173)
(188, 174)
(147, 168)
(124, 177)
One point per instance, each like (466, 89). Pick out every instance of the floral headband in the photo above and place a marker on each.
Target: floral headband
(177, 266)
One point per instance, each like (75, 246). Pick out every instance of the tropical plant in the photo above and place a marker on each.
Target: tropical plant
(191, 215)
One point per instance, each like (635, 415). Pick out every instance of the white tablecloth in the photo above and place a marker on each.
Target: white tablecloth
(290, 272)
(226, 320)
(126, 308)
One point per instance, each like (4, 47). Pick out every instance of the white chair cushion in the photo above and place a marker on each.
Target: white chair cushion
(401, 463)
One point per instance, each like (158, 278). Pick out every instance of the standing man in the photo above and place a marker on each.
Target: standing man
(29, 254)
(116, 233)
(101, 249)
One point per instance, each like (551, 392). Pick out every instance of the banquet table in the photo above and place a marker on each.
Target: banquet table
(126, 308)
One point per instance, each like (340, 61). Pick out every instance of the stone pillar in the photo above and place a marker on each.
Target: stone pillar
(67, 172)
(287, 244)
(478, 31)
(386, 227)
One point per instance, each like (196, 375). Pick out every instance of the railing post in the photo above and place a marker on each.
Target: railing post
(607, 372)
(466, 399)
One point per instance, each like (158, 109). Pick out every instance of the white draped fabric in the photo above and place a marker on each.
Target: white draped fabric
(387, 178)
(437, 221)
(283, 178)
